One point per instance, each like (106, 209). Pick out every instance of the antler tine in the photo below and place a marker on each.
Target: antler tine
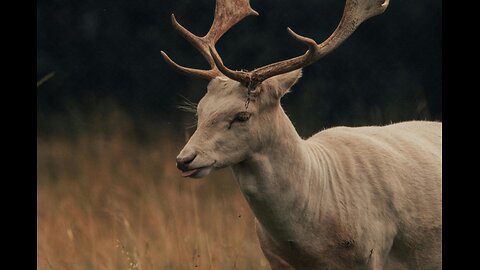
(240, 76)
(196, 41)
(250, 78)
(205, 74)
(355, 12)
(227, 14)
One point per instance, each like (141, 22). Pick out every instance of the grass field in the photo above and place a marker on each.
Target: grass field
(108, 200)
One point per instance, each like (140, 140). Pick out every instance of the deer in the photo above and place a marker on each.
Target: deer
(364, 197)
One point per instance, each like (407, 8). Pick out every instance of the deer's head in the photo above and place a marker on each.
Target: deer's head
(239, 112)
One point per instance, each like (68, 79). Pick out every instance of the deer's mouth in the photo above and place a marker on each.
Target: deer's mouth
(197, 172)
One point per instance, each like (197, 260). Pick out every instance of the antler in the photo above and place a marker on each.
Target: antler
(227, 14)
(355, 12)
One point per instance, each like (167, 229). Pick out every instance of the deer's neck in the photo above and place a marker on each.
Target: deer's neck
(281, 180)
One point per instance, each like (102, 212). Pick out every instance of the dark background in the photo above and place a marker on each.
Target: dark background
(106, 52)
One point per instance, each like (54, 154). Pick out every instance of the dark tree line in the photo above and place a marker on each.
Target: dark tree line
(388, 70)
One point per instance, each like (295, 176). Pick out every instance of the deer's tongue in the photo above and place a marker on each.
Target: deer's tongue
(189, 173)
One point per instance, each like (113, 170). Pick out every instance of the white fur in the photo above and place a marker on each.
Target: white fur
(346, 198)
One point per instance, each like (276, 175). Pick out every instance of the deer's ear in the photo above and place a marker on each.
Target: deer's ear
(280, 85)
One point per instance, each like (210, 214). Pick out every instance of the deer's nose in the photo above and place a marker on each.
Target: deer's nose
(183, 160)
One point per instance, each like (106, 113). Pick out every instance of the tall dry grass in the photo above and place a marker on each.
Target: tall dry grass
(107, 200)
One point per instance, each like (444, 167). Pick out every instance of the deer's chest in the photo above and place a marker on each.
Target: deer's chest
(330, 248)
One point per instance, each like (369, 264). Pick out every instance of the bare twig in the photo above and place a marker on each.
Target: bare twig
(45, 78)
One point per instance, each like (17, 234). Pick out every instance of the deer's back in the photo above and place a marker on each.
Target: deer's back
(390, 176)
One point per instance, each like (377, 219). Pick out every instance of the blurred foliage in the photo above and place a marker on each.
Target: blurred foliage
(388, 70)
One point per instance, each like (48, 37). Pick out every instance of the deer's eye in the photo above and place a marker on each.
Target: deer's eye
(242, 117)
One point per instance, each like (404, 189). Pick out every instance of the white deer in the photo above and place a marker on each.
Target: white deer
(346, 198)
